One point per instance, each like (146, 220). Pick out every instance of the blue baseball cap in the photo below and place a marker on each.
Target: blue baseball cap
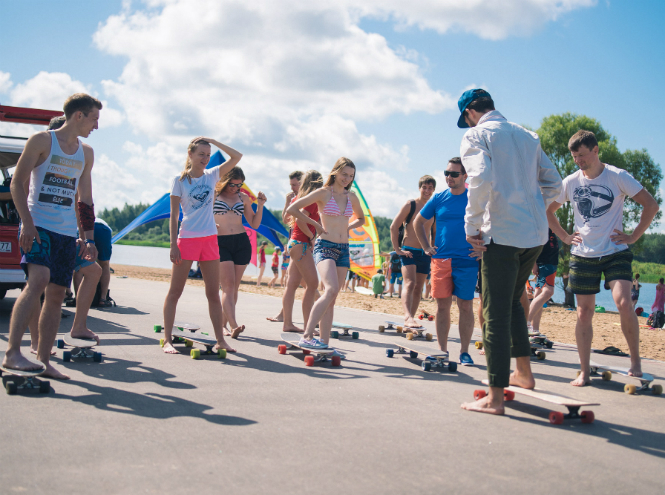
(464, 101)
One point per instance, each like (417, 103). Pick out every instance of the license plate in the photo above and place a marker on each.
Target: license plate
(5, 247)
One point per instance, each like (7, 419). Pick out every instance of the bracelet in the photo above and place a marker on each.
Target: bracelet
(89, 241)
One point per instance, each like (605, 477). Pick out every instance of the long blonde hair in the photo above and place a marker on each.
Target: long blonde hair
(233, 174)
(188, 163)
(339, 165)
(311, 181)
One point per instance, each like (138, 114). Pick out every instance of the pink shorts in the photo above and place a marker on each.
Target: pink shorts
(199, 248)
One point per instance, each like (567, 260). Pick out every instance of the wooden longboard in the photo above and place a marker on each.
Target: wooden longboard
(645, 380)
(190, 336)
(573, 405)
(434, 358)
(82, 348)
(15, 380)
(411, 332)
(319, 355)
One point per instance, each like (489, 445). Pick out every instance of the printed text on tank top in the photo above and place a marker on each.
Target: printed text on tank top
(222, 208)
(332, 208)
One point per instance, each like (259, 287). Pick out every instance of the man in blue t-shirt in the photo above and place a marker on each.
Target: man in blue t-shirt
(454, 271)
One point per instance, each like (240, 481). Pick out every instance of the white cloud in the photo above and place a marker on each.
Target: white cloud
(5, 81)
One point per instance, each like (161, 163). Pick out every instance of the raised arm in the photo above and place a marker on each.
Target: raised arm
(254, 217)
(394, 228)
(234, 156)
(358, 210)
(313, 197)
(289, 197)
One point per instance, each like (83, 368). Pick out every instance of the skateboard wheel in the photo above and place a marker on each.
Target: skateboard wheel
(161, 342)
(382, 328)
(336, 361)
(479, 394)
(607, 376)
(428, 337)
(309, 360)
(540, 355)
(452, 367)
(66, 356)
(657, 389)
(334, 334)
(97, 357)
(355, 335)
(508, 395)
(390, 352)
(427, 366)
(281, 349)
(157, 328)
(478, 344)
(189, 343)
(221, 353)
(409, 336)
(430, 318)
(11, 388)
(549, 345)
(420, 317)
(398, 329)
(413, 354)
(44, 387)
(60, 344)
(630, 389)
(587, 416)
(556, 418)
(195, 353)
(305, 352)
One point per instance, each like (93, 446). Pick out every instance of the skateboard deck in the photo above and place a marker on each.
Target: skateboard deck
(188, 338)
(15, 380)
(434, 358)
(415, 332)
(541, 340)
(82, 349)
(365, 291)
(645, 380)
(181, 326)
(345, 331)
(319, 355)
(555, 417)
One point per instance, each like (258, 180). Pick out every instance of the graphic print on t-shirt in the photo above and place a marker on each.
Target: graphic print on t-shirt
(200, 196)
(593, 201)
(59, 185)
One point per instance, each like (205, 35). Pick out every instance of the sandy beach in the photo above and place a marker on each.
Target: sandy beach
(558, 323)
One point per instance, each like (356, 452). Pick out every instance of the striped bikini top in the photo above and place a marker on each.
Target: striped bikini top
(331, 208)
(221, 208)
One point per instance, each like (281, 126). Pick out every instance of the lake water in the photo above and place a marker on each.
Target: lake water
(604, 298)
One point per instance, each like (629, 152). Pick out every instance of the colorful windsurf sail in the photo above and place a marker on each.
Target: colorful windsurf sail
(364, 242)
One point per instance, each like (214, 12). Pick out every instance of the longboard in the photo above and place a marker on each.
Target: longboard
(434, 358)
(345, 328)
(82, 349)
(320, 355)
(426, 316)
(411, 332)
(188, 338)
(535, 351)
(555, 417)
(15, 380)
(541, 340)
(180, 325)
(645, 380)
(365, 291)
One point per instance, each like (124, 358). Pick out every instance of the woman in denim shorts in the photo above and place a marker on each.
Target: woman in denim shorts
(331, 251)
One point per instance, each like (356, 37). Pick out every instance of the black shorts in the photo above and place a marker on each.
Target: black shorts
(235, 247)
(586, 273)
(275, 269)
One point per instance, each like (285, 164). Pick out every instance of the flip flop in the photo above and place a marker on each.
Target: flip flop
(612, 351)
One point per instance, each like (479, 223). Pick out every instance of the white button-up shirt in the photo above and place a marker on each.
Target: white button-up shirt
(511, 182)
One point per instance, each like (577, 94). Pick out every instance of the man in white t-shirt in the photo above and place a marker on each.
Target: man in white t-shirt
(599, 245)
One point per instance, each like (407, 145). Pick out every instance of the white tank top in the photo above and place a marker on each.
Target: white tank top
(53, 187)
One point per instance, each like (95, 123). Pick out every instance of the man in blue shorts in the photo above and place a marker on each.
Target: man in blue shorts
(55, 166)
(453, 269)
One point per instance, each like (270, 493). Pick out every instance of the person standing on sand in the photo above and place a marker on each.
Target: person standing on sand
(274, 267)
(194, 191)
(659, 303)
(599, 246)
(56, 168)
(262, 262)
(635, 290)
(415, 261)
(511, 182)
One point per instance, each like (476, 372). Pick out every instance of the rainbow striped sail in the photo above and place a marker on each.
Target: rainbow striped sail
(364, 242)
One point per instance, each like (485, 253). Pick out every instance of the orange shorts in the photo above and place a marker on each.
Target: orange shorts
(199, 248)
(454, 277)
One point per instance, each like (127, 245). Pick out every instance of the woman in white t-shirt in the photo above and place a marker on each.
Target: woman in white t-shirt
(194, 191)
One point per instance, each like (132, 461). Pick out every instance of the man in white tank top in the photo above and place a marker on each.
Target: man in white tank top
(55, 167)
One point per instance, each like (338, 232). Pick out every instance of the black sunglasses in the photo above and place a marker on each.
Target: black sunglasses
(454, 175)
(235, 185)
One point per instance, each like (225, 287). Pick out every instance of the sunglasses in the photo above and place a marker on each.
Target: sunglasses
(235, 185)
(454, 175)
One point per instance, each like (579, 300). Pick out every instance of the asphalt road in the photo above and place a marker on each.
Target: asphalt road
(262, 422)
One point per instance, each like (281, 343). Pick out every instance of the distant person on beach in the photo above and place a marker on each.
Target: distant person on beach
(415, 262)
(336, 206)
(545, 271)
(510, 183)
(378, 284)
(274, 267)
(454, 272)
(59, 162)
(286, 260)
(235, 248)
(395, 274)
(194, 191)
(262, 261)
(659, 303)
(635, 290)
(599, 246)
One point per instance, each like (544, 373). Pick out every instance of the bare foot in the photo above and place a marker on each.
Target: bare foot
(481, 352)
(411, 323)
(582, 380)
(33, 351)
(169, 349)
(51, 372)
(522, 380)
(635, 369)
(237, 331)
(276, 319)
(223, 345)
(17, 361)
(84, 334)
(292, 328)
(226, 332)
(483, 405)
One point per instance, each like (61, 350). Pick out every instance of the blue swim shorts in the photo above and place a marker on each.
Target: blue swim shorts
(419, 258)
(56, 252)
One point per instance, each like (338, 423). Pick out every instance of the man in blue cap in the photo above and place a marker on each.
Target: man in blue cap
(510, 184)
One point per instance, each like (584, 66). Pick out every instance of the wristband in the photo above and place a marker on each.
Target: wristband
(86, 216)
(89, 241)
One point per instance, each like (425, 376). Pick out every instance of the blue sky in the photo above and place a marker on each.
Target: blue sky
(381, 89)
